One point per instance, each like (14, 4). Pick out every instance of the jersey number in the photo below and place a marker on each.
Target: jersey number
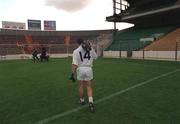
(86, 55)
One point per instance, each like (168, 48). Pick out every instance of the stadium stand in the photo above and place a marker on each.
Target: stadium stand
(166, 43)
(23, 41)
(156, 26)
(136, 38)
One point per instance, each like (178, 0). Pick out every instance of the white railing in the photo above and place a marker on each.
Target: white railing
(166, 55)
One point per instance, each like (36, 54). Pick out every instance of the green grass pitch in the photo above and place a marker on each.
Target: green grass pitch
(30, 92)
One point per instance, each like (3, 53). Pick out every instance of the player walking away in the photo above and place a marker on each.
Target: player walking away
(82, 64)
(34, 55)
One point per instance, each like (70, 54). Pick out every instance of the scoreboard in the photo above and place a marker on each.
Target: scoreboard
(49, 25)
(34, 24)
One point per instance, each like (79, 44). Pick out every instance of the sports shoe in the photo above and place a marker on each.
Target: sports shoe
(91, 107)
(82, 102)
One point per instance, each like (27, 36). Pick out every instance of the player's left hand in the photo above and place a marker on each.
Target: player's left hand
(72, 78)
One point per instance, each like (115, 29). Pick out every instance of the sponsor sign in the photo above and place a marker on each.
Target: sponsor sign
(13, 25)
(34, 24)
(49, 25)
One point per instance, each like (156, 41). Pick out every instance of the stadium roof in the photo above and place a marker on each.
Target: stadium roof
(166, 13)
(148, 2)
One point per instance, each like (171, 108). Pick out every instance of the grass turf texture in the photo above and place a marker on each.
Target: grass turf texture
(30, 92)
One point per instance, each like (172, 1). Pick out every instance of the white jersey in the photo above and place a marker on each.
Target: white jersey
(83, 58)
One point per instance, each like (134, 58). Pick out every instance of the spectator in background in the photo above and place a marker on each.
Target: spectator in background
(44, 55)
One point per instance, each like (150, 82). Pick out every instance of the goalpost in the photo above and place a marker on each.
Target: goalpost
(177, 49)
(24, 51)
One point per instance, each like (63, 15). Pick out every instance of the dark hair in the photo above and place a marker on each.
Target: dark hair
(86, 46)
(79, 41)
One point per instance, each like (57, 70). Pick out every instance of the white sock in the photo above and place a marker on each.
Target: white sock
(91, 99)
(82, 99)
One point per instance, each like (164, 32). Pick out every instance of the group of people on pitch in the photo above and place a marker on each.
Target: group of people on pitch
(43, 55)
(82, 64)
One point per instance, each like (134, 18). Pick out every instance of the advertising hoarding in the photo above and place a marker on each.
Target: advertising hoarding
(34, 24)
(49, 25)
(13, 25)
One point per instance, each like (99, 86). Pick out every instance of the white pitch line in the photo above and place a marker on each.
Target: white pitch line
(46, 120)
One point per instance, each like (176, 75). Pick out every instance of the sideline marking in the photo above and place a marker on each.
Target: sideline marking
(46, 120)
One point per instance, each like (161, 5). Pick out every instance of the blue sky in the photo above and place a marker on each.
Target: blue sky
(68, 14)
